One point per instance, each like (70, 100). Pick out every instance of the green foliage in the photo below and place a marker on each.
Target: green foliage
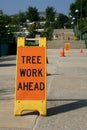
(47, 33)
(68, 24)
(15, 23)
(81, 5)
(61, 20)
(30, 43)
(31, 30)
(84, 26)
(32, 14)
(4, 20)
(50, 14)
(22, 17)
(15, 20)
(72, 9)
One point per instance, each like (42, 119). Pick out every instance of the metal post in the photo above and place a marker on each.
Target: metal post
(76, 11)
(81, 20)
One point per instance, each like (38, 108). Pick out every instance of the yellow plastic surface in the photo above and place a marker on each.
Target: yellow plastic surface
(31, 105)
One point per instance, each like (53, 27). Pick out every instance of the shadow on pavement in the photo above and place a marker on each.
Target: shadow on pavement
(6, 94)
(3, 60)
(30, 113)
(7, 65)
(7, 58)
(52, 74)
(61, 109)
(66, 107)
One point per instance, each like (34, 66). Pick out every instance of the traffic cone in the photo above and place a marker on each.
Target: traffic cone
(62, 53)
(81, 51)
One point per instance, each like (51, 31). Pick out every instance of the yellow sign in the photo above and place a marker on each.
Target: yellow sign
(30, 88)
(67, 47)
(42, 42)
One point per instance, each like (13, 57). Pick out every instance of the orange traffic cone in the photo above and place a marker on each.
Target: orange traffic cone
(81, 51)
(62, 53)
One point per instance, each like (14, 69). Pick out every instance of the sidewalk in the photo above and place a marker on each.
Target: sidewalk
(66, 94)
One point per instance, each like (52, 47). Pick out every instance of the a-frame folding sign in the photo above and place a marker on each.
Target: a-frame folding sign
(30, 88)
(67, 47)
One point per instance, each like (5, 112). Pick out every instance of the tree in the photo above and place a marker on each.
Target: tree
(50, 14)
(84, 26)
(22, 17)
(31, 30)
(68, 24)
(32, 14)
(81, 5)
(47, 33)
(4, 22)
(72, 9)
(15, 20)
(61, 20)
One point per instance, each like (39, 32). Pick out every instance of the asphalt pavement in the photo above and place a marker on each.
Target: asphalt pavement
(66, 94)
